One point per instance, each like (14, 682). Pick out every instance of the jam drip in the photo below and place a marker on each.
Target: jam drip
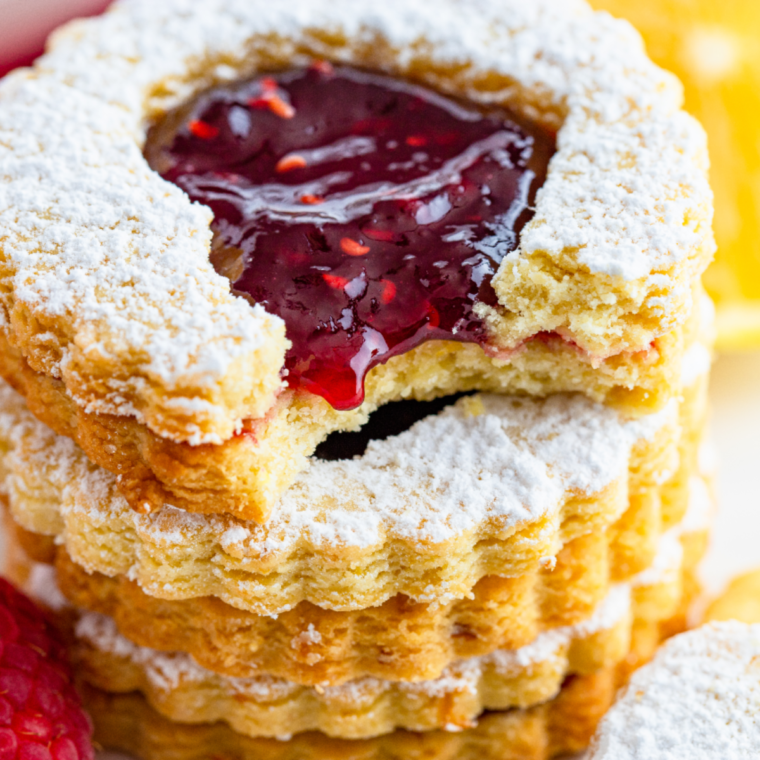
(369, 213)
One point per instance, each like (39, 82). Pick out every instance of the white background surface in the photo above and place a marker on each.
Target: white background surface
(735, 395)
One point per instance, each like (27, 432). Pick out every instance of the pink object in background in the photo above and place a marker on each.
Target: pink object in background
(26, 24)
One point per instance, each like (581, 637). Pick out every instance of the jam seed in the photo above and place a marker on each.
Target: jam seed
(389, 291)
(353, 247)
(271, 100)
(335, 281)
(416, 141)
(259, 103)
(280, 108)
(312, 200)
(385, 236)
(202, 129)
(290, 162)
(323, 67)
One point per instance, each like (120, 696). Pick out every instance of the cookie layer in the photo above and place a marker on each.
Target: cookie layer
(398, 640)
(563, 725)
(104, 656)
(125, 722)
(510, 481)
(107, 282)
(266, 706)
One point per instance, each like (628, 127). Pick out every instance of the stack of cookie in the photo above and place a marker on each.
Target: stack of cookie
(356, 365)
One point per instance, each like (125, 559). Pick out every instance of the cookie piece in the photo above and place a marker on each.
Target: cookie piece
(562, 725)
(115, 295)
(697, 698)
(509, 482)
(104, 656)
(126, 722)
(266, 706)
(272, 707)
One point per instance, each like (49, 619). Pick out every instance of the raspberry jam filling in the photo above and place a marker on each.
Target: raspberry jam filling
(367, 212)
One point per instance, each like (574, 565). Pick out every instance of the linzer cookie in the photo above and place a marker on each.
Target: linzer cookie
(509, 482)
(264, 706)
(267, 706)
(255, 223)
(564, 724)
(400, 639)
(127, 723)
(354, 366)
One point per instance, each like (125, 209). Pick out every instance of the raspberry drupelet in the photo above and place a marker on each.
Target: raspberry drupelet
(41, 716)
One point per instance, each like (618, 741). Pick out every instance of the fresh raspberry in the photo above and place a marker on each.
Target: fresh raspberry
(41, 716)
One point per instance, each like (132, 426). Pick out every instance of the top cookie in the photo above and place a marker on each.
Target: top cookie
(106, 278)
(697, 699)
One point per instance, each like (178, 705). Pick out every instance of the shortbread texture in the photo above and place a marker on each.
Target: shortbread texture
(698, 698)
(106, 281)
(398, 640)
(534, 733)
(562, 725)
(265, 706)
(503, 679)
(508, 483)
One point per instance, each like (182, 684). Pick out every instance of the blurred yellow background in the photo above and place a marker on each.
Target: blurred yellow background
(714, 48)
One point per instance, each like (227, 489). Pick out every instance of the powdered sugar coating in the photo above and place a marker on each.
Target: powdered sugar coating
(111, 262)
(697, 699)
(94, 237)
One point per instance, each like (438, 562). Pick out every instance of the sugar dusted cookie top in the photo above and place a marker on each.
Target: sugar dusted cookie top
(698, 699)
(486, 464)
